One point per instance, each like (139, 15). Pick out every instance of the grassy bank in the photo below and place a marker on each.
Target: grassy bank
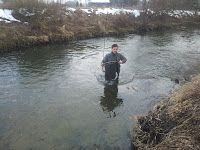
(51, 23)
(173, 123)
(48, 23)
(64, 29)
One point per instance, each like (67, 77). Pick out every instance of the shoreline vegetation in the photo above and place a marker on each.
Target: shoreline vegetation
(42, 23)
(173, 123)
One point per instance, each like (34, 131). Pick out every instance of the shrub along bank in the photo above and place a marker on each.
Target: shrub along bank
(48, 23)
(54, 23)
(173, 123)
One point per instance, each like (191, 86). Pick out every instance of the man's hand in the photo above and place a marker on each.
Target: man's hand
(102, 65)
(120, 62)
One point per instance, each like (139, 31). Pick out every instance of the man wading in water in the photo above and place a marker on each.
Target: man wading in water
(112, 63)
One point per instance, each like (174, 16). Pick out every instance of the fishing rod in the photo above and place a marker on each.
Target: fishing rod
(103, 64)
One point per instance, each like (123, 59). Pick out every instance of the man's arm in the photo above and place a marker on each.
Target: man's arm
(105, 59)
(122, 59)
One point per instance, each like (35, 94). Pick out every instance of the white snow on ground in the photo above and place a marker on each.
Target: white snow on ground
(88, 11)
(181, 13)
(112, 11)
(71, 9)
(24, 12)
(6, 15)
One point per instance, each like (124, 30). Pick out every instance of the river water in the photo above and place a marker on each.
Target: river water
(53, 97)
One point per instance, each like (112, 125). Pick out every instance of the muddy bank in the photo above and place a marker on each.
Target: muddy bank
(16, 39)
(16, 36)
(173, 123)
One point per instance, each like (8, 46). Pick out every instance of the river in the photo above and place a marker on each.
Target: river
(53, 96)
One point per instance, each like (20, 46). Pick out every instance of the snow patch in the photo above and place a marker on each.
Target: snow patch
(24, 12)
(112, 11)
(181, 13)
(6, 15)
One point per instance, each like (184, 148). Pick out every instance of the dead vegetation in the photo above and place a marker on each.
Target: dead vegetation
(59, 25)
(173, 123)
(53, 20)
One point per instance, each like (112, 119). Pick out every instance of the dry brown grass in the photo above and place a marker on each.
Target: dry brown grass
(53, 20)
(173, 123)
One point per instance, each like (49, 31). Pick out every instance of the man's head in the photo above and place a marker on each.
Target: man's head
(114, 48)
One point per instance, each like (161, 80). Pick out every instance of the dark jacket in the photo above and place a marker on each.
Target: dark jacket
(111, 64)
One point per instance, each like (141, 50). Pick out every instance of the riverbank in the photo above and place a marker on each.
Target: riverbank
(173, 123)
(58, 24)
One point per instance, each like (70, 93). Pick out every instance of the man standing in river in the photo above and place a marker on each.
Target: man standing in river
(112, 63)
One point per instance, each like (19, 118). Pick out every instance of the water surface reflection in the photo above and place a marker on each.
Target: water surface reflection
(53, 97)
(110, 99)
